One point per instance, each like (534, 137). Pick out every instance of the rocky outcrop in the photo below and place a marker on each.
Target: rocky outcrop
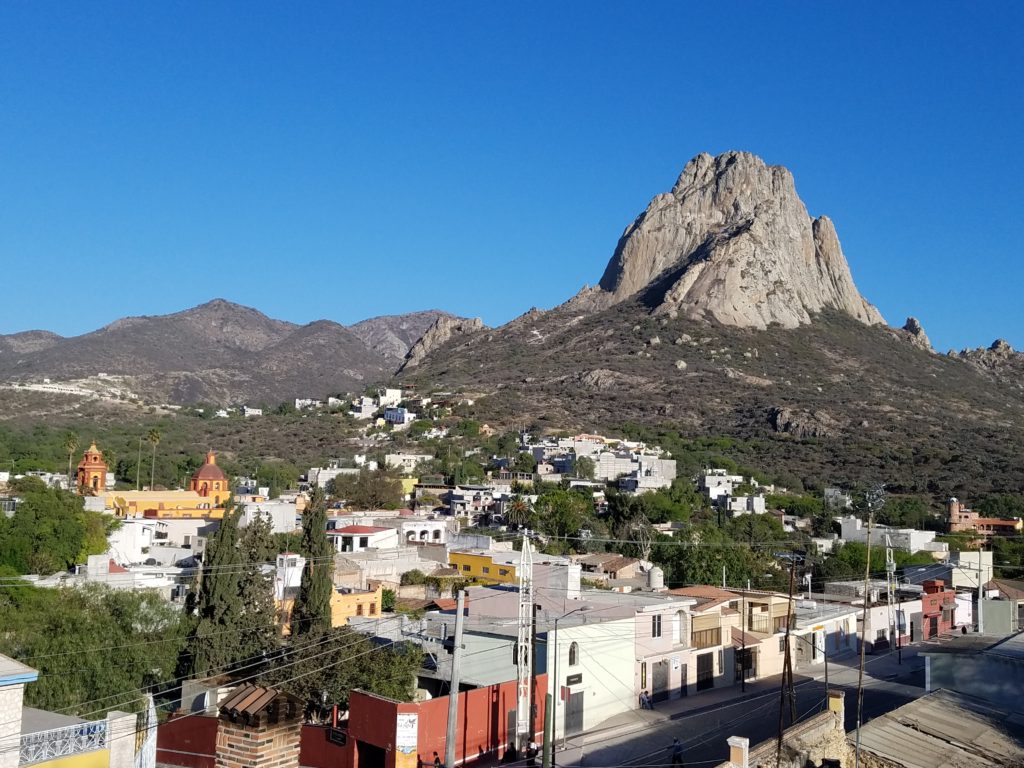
(800, 423)
(733, 243)
(393, 335)
(998, 361)
(915, 334)
(443, 330)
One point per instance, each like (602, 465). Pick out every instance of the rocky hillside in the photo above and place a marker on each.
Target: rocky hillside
(394, 335)
(731, 243)
(726, 310)
(218, 352)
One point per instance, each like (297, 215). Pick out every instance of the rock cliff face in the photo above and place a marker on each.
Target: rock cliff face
(732, 242)
(916, 335)
(999, 361)
(439, 333)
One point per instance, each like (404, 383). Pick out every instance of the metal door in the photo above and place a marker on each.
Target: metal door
(574, 714)
(683, 680)
(659, 689)
(705, 671)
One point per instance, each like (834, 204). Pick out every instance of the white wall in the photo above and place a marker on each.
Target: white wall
(606, 662)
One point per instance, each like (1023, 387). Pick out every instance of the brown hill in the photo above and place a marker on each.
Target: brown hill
(811, 385)
(218, 352)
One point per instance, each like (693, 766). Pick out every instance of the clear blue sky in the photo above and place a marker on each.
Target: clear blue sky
(345, 160)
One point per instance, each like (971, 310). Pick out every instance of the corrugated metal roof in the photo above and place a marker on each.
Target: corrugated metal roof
(945, 730)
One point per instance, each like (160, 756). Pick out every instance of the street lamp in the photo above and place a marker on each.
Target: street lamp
(549, 752)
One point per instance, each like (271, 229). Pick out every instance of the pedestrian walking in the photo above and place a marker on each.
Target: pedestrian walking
(677, 752)
(437, 761)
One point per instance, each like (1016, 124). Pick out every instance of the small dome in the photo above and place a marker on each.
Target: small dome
(209, 470)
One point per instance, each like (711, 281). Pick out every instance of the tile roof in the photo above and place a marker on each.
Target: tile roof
(351, 529)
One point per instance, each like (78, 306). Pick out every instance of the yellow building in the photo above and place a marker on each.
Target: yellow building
(497, 567)
(346, 603)
(209, 492)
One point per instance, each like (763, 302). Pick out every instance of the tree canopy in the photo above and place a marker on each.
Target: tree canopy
(50, 530)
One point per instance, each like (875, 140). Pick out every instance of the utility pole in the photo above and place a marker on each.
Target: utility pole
(863, 629)
(890, 596)
(787, 689)
(743, 640)
(524, 655)
(453, 685)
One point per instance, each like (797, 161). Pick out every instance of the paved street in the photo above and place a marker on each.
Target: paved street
(704, 722)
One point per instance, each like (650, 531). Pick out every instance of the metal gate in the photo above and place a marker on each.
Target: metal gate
(659, 689)
(574, 714)
(705, 671)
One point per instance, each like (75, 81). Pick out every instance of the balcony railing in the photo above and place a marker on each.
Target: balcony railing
(61, 742)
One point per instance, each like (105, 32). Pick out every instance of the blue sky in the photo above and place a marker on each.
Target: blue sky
(341, 160)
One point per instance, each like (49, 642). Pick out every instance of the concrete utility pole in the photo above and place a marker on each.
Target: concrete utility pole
(524, 655)
(453, 685)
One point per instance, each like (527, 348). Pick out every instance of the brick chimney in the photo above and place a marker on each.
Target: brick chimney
(933, 586)
(259, 728)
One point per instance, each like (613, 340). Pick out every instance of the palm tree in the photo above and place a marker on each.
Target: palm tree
(153, 438)
(70, 445)
(518, 511)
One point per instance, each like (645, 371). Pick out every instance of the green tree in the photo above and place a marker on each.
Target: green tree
(232, 620)
(387, 599)
(518, 512)
(50, 530)
(369, 489)
(257, 625)
(524, 462)
(336, 661)
(585, 467)
(96, 648)
(312, 611)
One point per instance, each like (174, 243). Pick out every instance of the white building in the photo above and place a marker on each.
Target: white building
(132, 540)
(288, 577)
(321, 476)
(909, 539)
(359, 538)
(307, 404)
(247, 411)
(718, 482)
(282, 515)
(743, 505)
(389, 398)
(363, 408)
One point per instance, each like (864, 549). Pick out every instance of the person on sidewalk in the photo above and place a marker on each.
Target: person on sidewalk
(677, 752)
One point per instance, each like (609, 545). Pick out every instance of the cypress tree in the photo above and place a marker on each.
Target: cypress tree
(312, 611)
(257, 625)
(212, 645)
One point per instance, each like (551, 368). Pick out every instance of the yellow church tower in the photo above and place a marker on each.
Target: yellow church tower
(91, 478)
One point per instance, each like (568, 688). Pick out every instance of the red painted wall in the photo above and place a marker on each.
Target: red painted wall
(317, 751)
(931, 606)
(482, 722)
(189, 741)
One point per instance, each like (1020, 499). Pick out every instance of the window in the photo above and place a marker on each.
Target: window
(364, 541)
(465, 567)
(487, 569)
(721, 661)
(373, 609)
(782, 644)
(656, 626)
(779, 624)
(643, 676)
(359, 609)
(574, 654)
(503, 571)
(880, 634)
(705, 638)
